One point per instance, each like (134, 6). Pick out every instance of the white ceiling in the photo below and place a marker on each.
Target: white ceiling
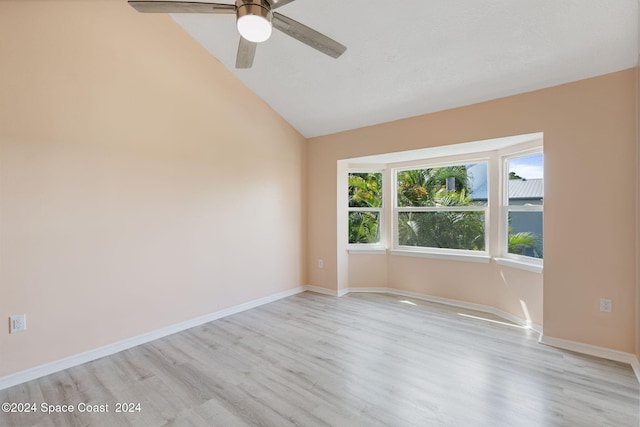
(412, 57)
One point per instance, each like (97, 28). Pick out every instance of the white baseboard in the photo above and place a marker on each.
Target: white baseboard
(320, 290)
(588, 349)
(78, 359)
(635, 364)
(454, 303)
(593, 350)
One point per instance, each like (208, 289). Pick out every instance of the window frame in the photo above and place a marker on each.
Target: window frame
(379, 246)
(506, 258)
(433, 252)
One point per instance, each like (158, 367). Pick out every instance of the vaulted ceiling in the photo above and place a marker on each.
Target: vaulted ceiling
(413, 57)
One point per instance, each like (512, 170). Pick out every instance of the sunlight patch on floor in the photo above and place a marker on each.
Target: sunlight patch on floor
(513, 325)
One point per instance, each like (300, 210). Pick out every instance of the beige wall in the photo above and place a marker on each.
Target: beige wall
(590, 149)
(367, 271)
(638, 194)
(638, 197)
(141, 184)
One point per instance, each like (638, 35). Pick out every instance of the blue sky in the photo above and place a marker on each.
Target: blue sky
(530, 167)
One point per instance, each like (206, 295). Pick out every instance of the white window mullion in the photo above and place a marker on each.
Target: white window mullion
(443, 209)
(525, 208)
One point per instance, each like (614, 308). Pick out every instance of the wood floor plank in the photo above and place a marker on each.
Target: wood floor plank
(360, 360)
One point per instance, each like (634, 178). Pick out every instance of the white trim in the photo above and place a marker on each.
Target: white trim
(366, 167)
(593, 350)
(367, 251)
(449, 150)
(107, 350)
(534, 147)
(635, 365)
(473, 306)
(78, 359)
(522, 265)
(481, 258)
(605, 353)
(325, 291)
(366, 209)
(441, 161)
(370, 290)
(469, 208)
(454, 303)
(525, 208)
(320, 290)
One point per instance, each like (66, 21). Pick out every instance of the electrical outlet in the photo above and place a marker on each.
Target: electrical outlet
(606, 305)
(17, 323)
(320, 264)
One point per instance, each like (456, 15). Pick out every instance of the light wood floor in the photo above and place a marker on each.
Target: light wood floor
(359, 360)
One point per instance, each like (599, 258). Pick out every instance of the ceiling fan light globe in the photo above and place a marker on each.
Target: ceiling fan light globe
(254, 28)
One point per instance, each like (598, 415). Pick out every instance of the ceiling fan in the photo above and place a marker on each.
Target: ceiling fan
(254, 20)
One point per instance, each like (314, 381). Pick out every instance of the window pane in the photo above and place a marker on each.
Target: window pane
(461, 185)
(365, 190)
(451, 230)
(364, 227)
(525, 233)
(526, 180)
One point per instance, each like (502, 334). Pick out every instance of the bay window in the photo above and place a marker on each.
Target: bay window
(474, 202)
(442, 208)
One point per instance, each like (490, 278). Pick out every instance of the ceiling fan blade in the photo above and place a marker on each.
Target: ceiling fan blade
(307, 35)
(151, 6)
(246, 53)
(279, 3)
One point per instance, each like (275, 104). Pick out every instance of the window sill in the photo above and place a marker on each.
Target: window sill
(522, 265)
(480, 258)
(371, 250)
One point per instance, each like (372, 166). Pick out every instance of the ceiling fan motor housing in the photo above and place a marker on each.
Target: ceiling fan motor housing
(254, 7)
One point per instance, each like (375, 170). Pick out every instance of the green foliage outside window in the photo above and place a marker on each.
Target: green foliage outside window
(444, 187)
(364, 227)
(365, 191)
(428, 187)
(525, 243)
